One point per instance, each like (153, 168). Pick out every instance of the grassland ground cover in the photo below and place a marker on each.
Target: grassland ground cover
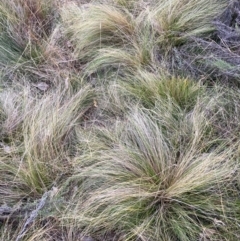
(120, 120)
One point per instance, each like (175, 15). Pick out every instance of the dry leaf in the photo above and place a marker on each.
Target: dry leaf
(95, 103)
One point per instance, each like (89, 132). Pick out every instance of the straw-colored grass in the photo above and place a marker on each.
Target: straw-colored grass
(142, 186)
(38, 134)
(177, 20)
(94, 27)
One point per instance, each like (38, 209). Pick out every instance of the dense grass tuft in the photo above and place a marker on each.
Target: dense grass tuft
(176, 20)
(38, 135)
(143, 186)
(149, 88)
(93, 27)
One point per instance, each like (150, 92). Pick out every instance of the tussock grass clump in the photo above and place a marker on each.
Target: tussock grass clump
(39, 134)
(94, 26)
(150, 87)
(141, 186)
(109, 38)
(31, 43)
(27, 22)
(24, 25)
(177, 20)
(47, 137)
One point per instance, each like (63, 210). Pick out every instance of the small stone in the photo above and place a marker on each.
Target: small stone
(42, 86)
